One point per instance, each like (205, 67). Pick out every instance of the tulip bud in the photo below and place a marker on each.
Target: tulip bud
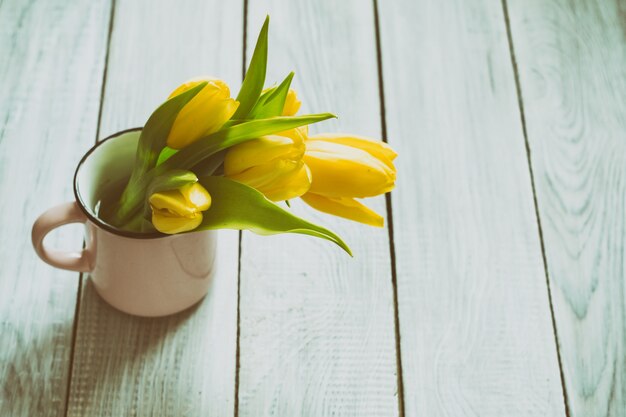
(176, 211)
(292, 104)
(204, 114)
(344, 166)
(272, 164)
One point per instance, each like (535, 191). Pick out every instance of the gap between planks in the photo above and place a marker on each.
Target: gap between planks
(237, 350)
(520, 103)
(390, 226)
(81, 276)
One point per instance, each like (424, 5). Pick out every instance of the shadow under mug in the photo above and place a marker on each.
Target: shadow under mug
(142, 274)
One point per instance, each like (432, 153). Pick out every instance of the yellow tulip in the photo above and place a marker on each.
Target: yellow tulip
(292, 104)
(346, 167)
(350, 166)
(176, 211)
(202, 115)
(272, 164)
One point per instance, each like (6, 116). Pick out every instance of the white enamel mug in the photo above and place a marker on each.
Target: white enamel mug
(142, 274)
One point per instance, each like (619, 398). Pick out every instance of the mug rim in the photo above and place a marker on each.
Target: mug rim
(94, 219)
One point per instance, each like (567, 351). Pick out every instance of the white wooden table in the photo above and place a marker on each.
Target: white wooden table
(497, 288)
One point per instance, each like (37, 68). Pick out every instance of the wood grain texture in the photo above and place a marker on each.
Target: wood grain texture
(182, 365)
(571, 57)
(51, 63)
(476, 333)
(317, 328)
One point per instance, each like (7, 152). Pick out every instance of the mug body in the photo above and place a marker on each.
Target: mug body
(145, 274)
(151, 277)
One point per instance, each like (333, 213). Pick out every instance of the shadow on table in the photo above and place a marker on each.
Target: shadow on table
(34, 367)
(120, 362)
(121, 357)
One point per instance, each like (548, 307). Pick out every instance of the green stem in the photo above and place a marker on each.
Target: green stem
(132, 199)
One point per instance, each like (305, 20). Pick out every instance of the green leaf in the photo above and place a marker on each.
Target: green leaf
(225, 138)
(237, 206)
(171, 180)
(252, 85)
(165, 154)
(272, 102)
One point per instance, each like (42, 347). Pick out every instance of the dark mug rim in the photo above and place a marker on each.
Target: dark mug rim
(94, 219)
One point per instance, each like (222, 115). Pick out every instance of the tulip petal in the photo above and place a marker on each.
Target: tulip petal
(292, 104)
(189, 84)
(196, 196)
(170, 224)
(260, 151)
(293, 185)
(347, 208)
(298, 135)
(376, 148)
(278, 180)
(173, 202)
(290, 185)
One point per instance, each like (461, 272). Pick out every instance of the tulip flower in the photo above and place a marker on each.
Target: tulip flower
(272, 164)
(206, 113)
(346, 167)
(180, 210)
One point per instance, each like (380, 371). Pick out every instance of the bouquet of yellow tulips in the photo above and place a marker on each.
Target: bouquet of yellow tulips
(206, 160)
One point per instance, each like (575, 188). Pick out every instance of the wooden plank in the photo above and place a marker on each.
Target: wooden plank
(571, 67)
(317, 328)
(51, 63)
(182, 365)
(476, 333)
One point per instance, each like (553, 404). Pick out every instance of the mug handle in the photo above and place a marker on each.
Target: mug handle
(51, 219)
